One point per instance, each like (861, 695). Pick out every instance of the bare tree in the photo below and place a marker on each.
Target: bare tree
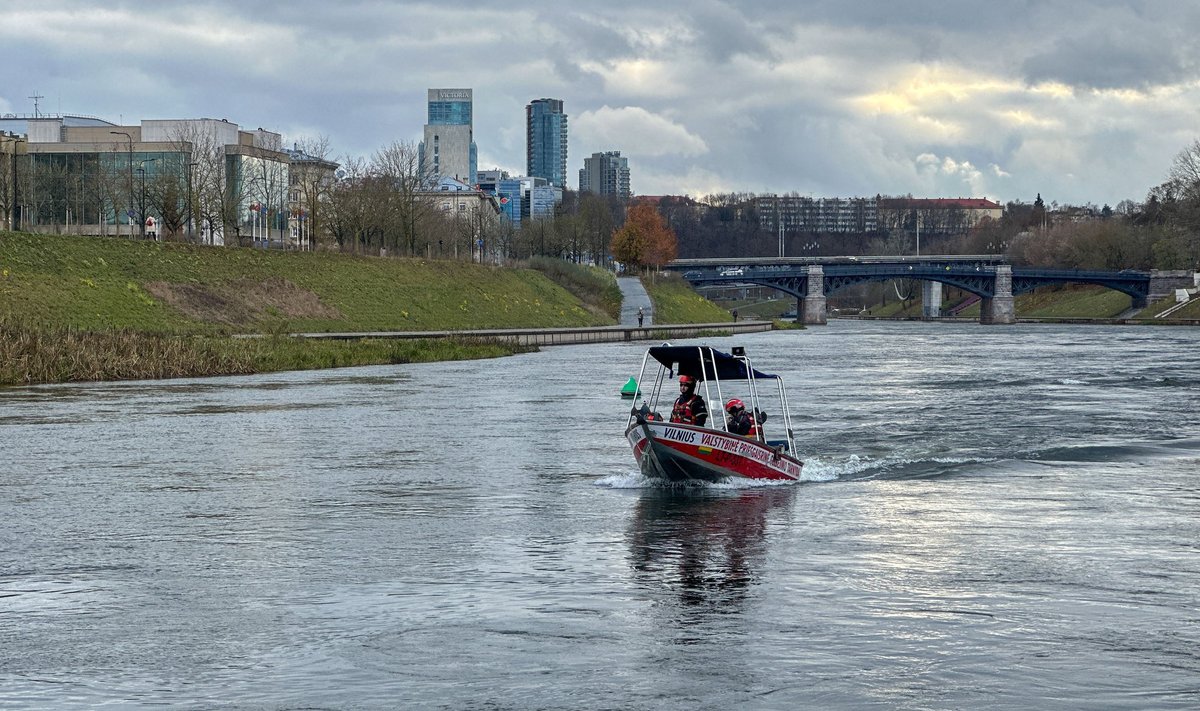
(1181, 192)
(599, 225)
(348, 212)
(313, 188)
(207, 205)
(400, 165)
(1185, 171)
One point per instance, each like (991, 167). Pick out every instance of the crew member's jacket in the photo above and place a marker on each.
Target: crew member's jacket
(742, 424)
(690, 410)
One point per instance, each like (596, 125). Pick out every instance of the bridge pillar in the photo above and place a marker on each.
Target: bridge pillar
(813, 311)
(931, 299)
(1163, 283)
(999, 308)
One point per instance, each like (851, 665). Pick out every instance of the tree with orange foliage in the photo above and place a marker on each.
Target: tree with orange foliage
(645, 240)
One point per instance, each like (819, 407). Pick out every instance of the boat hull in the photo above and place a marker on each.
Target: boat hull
(677, 452)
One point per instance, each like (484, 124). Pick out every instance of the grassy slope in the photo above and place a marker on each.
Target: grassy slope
(596, 287)
(1081, 301)
(92, 283)
(1072, 302)
(764, 309)
(1189, 312)
(675, 302)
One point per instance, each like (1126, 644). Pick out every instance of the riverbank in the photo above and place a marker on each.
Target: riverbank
(78, 309)
(101, 284)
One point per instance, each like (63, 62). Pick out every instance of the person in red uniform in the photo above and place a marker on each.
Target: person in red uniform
(739, 421)
(689, 407)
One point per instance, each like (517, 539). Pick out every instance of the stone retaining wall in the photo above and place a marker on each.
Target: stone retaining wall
(565, 336)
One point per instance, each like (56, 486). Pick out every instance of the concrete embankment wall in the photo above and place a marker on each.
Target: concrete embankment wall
(566, 336)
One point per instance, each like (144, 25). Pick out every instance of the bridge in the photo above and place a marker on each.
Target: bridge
(811, 279)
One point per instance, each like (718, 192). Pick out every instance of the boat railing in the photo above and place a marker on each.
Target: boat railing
(711, 380)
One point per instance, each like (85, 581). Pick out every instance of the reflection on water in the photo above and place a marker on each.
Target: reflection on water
(706, 545)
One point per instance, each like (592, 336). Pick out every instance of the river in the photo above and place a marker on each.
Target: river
(991, 517)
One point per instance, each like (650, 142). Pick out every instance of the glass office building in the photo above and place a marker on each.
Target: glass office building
(546, 141)
(450, 112)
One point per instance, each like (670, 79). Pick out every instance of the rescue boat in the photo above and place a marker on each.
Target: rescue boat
(676, 451)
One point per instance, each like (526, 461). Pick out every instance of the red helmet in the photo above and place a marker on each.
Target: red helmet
(734, 404)
(687, 380)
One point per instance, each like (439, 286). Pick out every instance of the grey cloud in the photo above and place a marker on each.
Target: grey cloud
(357, 72)
(581, 80)
(1110, 58)
(724, 31)
(590, 38)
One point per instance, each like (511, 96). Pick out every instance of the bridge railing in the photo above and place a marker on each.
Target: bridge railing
(684, 264)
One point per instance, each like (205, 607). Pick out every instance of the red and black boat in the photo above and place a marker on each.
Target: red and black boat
(683, 452)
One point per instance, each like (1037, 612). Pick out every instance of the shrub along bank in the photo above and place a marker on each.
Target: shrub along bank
(46, 354)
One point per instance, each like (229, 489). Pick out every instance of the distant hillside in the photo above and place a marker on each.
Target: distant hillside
(106, 283)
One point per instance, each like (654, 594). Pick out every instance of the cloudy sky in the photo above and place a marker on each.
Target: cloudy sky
(1083, 101)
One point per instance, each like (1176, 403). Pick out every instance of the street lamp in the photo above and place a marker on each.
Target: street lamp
(142, 206)
(130, 139)
(191, 211)
(918, 234)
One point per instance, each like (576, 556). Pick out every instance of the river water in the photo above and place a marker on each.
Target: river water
(991, 517)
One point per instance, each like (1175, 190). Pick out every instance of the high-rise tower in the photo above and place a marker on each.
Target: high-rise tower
(546, 141)
(449, 146)
(605, 174)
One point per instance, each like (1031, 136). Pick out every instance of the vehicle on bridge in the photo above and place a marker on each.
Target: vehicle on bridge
(683, 452)
(733, 271)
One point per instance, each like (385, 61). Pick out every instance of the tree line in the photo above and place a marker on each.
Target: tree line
(381, 203)
(1162, 232)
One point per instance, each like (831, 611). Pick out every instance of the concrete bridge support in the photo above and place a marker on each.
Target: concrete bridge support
(812, 312)
(931, 299)
(1163, 283)
(999, 308)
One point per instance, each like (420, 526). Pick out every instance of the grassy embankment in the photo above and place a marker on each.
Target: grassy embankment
(94, 309)
(1070, 302)
(675, 302)
(594, 286)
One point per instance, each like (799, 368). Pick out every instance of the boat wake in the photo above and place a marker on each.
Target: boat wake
(856, 468)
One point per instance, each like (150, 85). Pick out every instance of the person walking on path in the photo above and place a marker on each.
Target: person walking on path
(641, 316)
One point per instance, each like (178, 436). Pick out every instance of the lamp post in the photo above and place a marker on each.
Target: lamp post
(191, 211)
(142, 205)
(130, 162)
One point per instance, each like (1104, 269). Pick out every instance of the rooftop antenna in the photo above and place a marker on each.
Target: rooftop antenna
(35, 98)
